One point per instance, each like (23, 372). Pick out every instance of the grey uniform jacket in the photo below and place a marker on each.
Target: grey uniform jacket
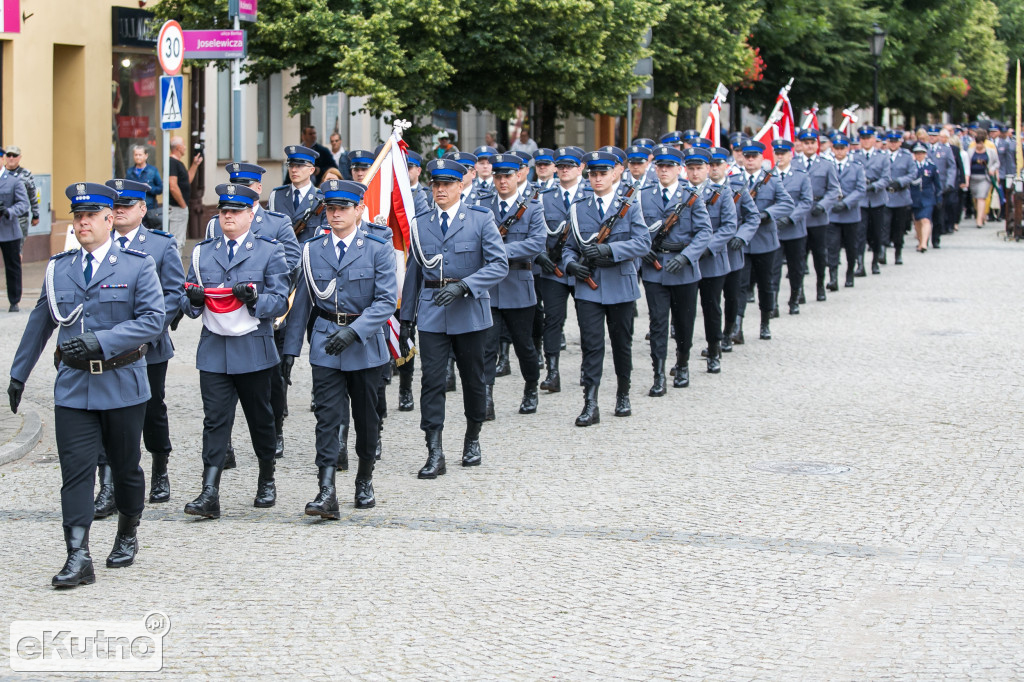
(162, 247)
(852, 190)
(692, 231)
(722, 213)
(525, 239)
(798, 185)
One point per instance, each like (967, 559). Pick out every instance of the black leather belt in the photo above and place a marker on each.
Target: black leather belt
(668, 250)
(520, 265)
(335, 317)
(101, 366)
(439, 283)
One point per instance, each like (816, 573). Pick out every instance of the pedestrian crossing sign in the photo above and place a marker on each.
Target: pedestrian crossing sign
(170, 98)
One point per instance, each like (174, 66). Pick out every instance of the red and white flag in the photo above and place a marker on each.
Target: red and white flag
(849, 118)
(768, 134)
(712, 129)
(786, 121)
(811, 118)
(225, 315)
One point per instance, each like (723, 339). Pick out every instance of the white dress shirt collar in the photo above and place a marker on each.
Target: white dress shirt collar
(99, 254)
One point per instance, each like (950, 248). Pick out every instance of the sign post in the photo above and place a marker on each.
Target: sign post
(170, 50)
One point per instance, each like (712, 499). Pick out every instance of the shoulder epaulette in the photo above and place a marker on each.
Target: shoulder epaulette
(549, 189)
(267, 239)
(375, 237)
(135, 252)
(428, 211)
(279, 187)
(313, 239)
(63, 253)
(474, 207)
(276, 214)
(534, 200)
(162, 233)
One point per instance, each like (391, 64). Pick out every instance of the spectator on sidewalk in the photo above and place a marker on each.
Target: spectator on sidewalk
(13, 204)
(143, 171)
(491, 140)
(340, 156)
(12, 164)
(324, 161)
(525, 143)
(179, 186)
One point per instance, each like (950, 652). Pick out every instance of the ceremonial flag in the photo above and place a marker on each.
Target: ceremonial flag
(849, 118)
(786, 121)
(712, 129)
(225, 315)
(769, 133)
(811, 118)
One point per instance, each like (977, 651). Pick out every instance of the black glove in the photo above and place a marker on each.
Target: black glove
(340, 340)
(765, 217)
(246, 293)
(676, 263)
(893, 186)
(446, 296)
(176, 320)
(82, 347)
(595, 252)
(14, 391)
(840, 206)
(649, 257)
(784, 221)
(946, 192)
(736, 243)
(578, 271)
(196, 295)
(286, 368)
(817, 210)
(405, 336)
(547, 265)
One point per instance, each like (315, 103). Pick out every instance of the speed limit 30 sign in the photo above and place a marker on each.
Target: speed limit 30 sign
(170, 48)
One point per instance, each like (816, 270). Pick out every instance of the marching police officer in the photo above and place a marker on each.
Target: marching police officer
(238, 283)
(792, 228)
(876, 178)
(458, 257)
(825, 188)
(420, 194)
(553, 282)
(348, 282)
(544, 167)
(607, 235)
(845, 216)
(902, 172)
(129, 211)
(520, 221)
(107, 306)
(300, 200)
(680, 232)
(360, 161)
(773, 202)
(276, 226)
(484, 182)
(422, 201)
(748, 219)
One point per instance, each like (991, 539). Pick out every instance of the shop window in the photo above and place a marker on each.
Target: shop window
(135, 90)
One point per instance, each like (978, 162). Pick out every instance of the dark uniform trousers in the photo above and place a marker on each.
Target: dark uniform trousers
(793, 252)
(592, 318)
(156, 434)
(874, 227)
(731, 292)
(896, 225)
(278, 387)
(817, 247)
(381, 401)
(539, 311)
(951, 205)
(333, 392)
(82, 437)
(220, 394)
(469, 358)
(842, 236)
(556, 301)
(711, 304)
(518, 323)
(682, 301)
(12, 269)
(757, 268)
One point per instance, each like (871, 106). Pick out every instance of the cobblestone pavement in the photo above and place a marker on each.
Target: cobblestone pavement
(843, 502)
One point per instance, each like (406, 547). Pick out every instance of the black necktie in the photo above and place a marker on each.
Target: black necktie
(664, 196)
(751, 182)
(600, 206)
(231, 249)
(444, 223)
(124, 242)
(565, 199)
(341, 250)
(295, 199)
(503, 207)
(88, 267)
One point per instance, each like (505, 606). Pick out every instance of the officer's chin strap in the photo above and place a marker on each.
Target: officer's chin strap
(436, 261)
(51, 297)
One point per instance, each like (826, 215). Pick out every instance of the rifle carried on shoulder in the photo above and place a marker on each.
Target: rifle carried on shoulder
(670, 222)
(512, 218)
(608, 223)
(316, 209)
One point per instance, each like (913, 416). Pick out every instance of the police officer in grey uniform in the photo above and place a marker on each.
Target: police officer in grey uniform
(825, 186)
(513, 300)
(748, 219)
(348, 283)
(792, 228)
(277, 226)
(457, 258)
(714, 262)
(606, 282)
(238, 283)
(107, 306)
(129, 233)
(300, 200)
(671, 269)
(876, 177)
(845, 214)
(941, 154)
(902, 171)
(422, 200)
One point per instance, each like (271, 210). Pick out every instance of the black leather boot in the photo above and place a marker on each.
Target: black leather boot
(658, 387)
(364, 485)
(471, 445)
(379, 450)
(775, 304)
(405, 401)
(343, 449)
(489, 403)
(682, 377)
(833, 279)
(591, 414)
(538, 343)
(449, 377)
(737, 331)
(766, 332)
(103, 506)
(326, 503)
(821, 289)
(503, 368)
(794, 304)
(78, 566)
(849, 277)
(727, 341)
(208, 502)
(159, 484)
(279, 443)
(622, 406)
(858, 271)
(714, 357)
(899, 257)
(875, 270)
(529, 402)
(229, 457)
(881, 257)
(561, 343)
(552, 382)
(126, 544)
(435, 457)
(802, 298)
(266, 489)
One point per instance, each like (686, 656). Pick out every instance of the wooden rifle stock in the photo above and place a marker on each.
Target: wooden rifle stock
(511, 220)
(316, 209)
(670, 222)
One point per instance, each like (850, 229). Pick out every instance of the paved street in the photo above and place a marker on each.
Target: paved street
(842, 502)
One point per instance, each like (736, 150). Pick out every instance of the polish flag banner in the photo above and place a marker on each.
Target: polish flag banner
(712, 129)
(768, 134)
(849, 119)
(787, 120)
(225, 315)
(811, 118)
